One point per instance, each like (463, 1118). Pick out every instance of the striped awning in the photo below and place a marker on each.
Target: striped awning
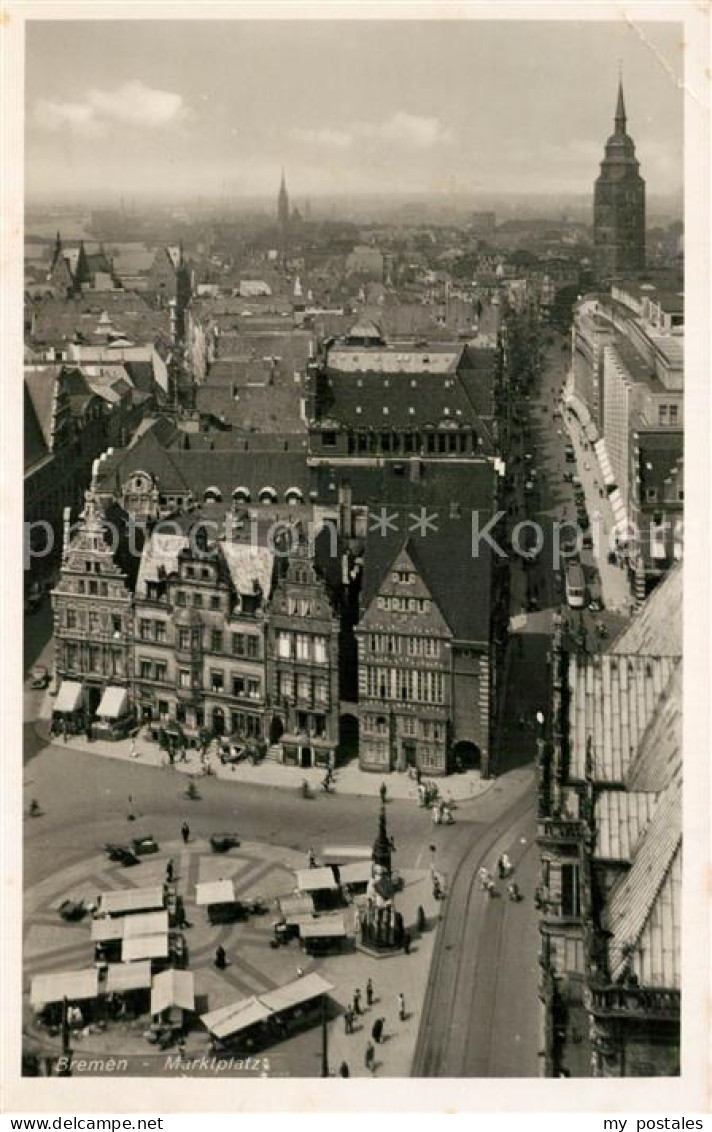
(604, 462)
(69, 696)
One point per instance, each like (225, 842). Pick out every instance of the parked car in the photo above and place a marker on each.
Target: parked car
(39, 676)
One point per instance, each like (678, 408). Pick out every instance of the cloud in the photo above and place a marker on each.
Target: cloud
(407, 130)
(324, 138)
(132, 104)
(402, 130)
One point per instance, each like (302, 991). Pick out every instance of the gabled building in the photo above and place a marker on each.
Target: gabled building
(303, 666)
(610, 835)
(93, 617)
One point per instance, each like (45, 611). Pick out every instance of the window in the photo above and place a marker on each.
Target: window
(651, 494)
(184, 679)
(93, 622)
(381, 603)
(216, 640)
(115, 623)
(145, 669)
(303, 650)
(662, 414)
(238, 644)
(94, 659)
(321, 691)
(181, 598)
(252, 648)
(189, 572)
(104, 589)
(328, 439)
(319, 727)
(160, 631)
(320, 650)
(284, 645)
(238, 687)
(570, 891)
(292, 606)
(93, 587)
(80, 586)
(144, 630)
(303, 688)
(217, 680)
(253, 689)
(198, 601)
(160, 670)
(673, 414)
(285, 686)
(71, 619)
(71, 656)
(215, 601)
(305, 607)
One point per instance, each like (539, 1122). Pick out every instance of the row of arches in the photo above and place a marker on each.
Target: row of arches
(266, 496)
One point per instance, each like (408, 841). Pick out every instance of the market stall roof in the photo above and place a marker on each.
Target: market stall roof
(122, 977)
(292, 994)
(173, 988)
(230, 1020)
(323, 927)
(113, 703)
(146, 923)
(345, 854)
(292, 907)
(360, 872)
(125, 900)
(215, 892)
(106, 928)
(73, 985)
(69, 696)
(145, 947)
(314, 880)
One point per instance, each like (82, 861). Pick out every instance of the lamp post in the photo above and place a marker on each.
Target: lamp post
(324, 1040)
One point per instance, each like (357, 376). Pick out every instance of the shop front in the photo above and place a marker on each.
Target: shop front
(114, 715)
(68, 708)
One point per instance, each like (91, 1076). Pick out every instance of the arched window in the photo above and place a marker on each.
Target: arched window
(212, 493)
(268, 495)
(293, 496)
(241, 495)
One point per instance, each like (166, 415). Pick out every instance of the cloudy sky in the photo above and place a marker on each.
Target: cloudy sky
(352, 107)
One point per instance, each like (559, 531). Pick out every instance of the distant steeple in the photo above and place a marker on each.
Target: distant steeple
(620, 109)
(283, 202)
(57, 249)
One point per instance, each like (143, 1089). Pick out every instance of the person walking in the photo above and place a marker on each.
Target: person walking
(169, 872)
(357, 1001)
(220, 957)
(348, 1020)
(406, 943)
(377, 1030)
(344, 1070)
(369, 992)
(383, 792)
(401, 1006)
(134, 749)
(370, 1058)
(185, 832)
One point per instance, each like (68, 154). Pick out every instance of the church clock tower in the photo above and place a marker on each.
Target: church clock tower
(619, 204)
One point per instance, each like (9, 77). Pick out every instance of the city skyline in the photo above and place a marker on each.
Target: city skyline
(145, 108)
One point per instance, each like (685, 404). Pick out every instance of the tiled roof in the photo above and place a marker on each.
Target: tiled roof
(160, 552)
(263, 408)
(35, 444)
(620, 818)
(61, 320)
(395, 359)
(447, 566)
(613, 699)
(644, 912)
(249, 565)
(657, 628)
(659, 753)
(41, 387)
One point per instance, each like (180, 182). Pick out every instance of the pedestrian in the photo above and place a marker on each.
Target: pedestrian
(370, 1058)
(134, 749)
(185, 832)
(417, 775)
(344, 1070)
(220, 957)
(348, 1020)
(406, 943)
(312, 858)
(169, 872)
(369, 992)
(377, 1030)
(357, 1001)
(183, 754)
(383, 792)
(130, 815)
(401, 1006)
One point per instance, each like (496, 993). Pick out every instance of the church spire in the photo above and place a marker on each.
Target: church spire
(620, 109)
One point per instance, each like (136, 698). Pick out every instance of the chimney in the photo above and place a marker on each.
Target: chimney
(67, 523)
(345, 513)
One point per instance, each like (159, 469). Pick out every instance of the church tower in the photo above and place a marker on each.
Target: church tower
(283, 217)
(619, 204)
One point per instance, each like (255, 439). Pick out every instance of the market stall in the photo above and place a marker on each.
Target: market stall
(218, 896)
(262, 1020)
(128, 988)
(323, 887)
(172, 998)
(80, 990)
(129, 901)
(323, 934)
